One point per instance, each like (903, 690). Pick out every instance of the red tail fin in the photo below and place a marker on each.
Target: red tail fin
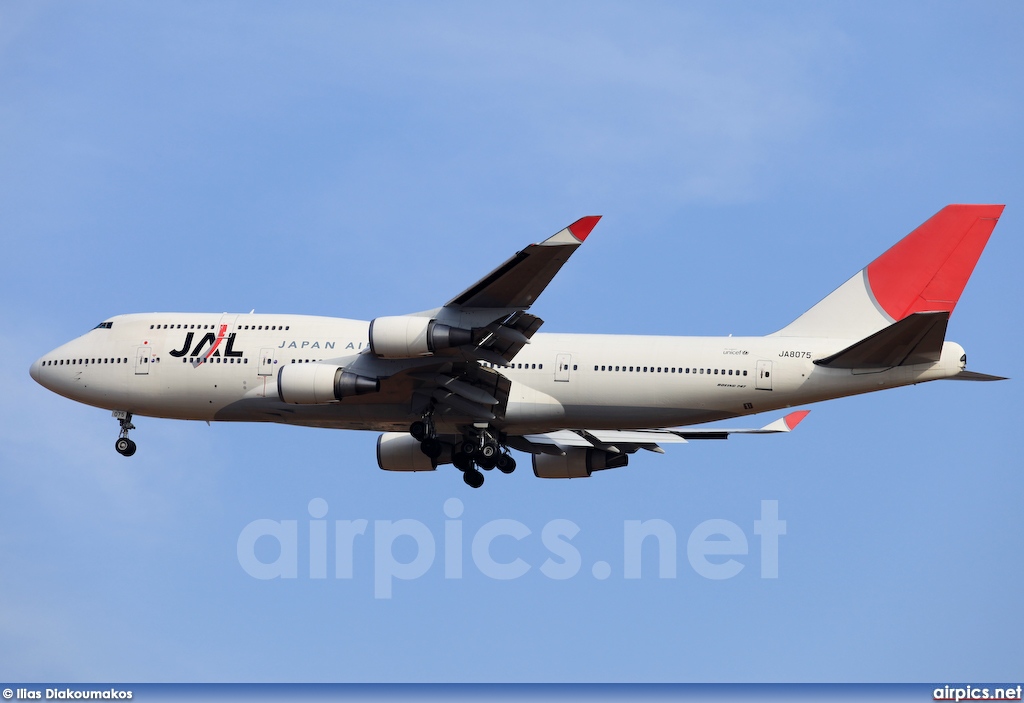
(926, 271)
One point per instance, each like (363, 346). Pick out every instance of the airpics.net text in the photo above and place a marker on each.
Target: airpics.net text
(270, 549)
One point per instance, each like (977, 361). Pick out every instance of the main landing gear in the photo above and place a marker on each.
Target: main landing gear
(482, 451)
(471, 454)
(123, 445)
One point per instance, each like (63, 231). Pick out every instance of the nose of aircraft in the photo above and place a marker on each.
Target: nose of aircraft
(40, 374)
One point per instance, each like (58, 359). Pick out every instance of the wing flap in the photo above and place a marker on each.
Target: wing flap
(503, 339)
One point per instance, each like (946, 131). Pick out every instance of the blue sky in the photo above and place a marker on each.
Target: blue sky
(361, 160)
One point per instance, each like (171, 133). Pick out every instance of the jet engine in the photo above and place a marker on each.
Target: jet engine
(309, 384)
(577, 463)
(399, 451)
(408, 336)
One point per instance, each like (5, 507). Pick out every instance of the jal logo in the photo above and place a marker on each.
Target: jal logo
(214, 342)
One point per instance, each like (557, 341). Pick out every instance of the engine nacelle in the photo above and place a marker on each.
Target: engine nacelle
(407, 337)
(311, 384)
(399, 451)
(577, 463)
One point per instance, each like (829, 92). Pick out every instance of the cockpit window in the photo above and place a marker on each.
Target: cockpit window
(104, 326)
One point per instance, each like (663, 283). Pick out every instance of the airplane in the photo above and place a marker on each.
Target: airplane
(467, 382)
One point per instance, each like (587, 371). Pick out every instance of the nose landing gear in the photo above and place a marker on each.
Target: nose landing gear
(123, 445)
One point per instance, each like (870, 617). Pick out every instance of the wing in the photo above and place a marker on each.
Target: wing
(518, 281)
(629, 441)
(487, 322)
(495, 306)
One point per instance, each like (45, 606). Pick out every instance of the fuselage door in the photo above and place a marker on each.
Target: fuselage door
(266, 365)
(143, 357)
(764, 376)
(563, 362)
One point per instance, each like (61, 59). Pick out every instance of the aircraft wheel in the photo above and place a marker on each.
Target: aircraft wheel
(418, 430)
(506, 464)
(488, 451)
(473, 478)
(462, 462)
(124, 446)
(431, 447)
(468, 447)
(487, 462)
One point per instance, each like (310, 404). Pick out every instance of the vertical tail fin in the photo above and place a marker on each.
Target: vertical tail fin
(926, 271)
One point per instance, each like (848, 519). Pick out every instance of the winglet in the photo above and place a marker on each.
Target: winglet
(582, 227)
(795, 418)
(787, 423)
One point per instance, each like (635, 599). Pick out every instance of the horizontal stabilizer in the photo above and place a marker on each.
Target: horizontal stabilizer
(975, 376)
(916, 339)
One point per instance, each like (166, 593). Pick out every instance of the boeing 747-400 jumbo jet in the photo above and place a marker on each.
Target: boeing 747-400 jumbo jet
(464, 383)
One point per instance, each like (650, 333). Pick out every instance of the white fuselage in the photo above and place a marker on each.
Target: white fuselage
(147, 364)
